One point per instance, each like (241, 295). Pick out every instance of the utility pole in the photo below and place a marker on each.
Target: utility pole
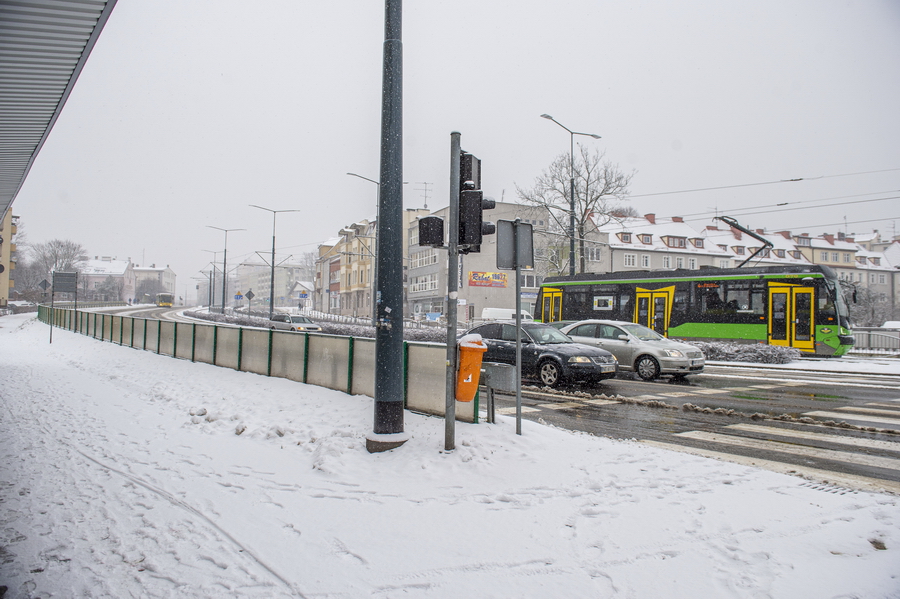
(389, 376)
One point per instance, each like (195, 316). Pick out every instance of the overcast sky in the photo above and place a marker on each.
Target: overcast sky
(190, 110)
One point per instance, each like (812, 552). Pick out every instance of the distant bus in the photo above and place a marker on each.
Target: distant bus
(794, 306)
(164, 299)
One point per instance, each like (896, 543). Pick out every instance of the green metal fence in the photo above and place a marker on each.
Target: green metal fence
(336, 362)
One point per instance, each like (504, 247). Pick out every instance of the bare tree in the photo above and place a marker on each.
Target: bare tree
(58, 255)
(600, 190)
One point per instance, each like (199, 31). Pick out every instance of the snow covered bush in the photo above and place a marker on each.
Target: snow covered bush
(721, 351)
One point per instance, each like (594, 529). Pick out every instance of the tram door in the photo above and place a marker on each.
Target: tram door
(653, 307)
(791, 316)
(551, 310)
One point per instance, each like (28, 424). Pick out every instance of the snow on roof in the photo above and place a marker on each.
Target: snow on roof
(105, 267)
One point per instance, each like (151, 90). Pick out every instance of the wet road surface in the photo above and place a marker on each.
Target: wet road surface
(839, 428)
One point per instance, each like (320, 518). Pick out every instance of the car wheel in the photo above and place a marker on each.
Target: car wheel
(647, 368)
(273, 328)
(549, 372)
(293, 329)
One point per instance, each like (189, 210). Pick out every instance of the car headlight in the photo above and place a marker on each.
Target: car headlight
(579, 360)
(674, 353)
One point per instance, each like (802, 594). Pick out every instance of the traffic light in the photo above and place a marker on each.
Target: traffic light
(472, 203)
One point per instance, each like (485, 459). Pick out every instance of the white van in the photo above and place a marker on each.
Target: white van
(504, 314)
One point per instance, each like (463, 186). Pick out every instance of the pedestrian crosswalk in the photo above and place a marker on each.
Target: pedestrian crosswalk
(844, 445)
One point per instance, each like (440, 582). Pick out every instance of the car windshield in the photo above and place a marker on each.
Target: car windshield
(302, 319)
(642, 332)
(544, 334)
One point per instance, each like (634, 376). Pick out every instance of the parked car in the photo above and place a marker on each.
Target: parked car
(638, 348)
(504, 314)
(547, 354)
(290, 322)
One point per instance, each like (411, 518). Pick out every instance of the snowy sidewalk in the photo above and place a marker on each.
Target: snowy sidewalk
(122, 474)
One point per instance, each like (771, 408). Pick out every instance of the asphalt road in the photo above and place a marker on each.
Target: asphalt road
(841, 428)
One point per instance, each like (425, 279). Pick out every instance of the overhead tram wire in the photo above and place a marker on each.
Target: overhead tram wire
(797, 208)
(795, 180)
(856, 195)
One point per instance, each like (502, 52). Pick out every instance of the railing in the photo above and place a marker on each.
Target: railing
(871, 340)
(336, 362)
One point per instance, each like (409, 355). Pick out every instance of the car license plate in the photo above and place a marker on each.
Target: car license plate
(696, 362)
(608, 368)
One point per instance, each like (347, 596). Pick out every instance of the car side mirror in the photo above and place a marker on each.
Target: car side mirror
(623, 337)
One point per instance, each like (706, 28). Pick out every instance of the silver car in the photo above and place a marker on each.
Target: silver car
(290, 322)
(638, 348)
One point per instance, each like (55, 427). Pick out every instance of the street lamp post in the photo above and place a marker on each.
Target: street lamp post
(572, 135)
(212, 279)
(224, 261)
(272, 280)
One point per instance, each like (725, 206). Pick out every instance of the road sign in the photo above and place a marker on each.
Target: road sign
(250, 295)
(507, 232)
(65, 282)
(238, 297)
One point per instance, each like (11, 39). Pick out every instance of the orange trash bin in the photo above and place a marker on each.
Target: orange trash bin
(471, 350)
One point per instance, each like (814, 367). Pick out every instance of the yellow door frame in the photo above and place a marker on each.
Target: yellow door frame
(667, 295)
(799, 326)
(551, 308)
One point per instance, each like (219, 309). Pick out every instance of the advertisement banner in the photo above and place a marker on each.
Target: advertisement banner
(487, 279)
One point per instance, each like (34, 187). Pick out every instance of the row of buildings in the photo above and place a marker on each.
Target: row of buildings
(345, 269)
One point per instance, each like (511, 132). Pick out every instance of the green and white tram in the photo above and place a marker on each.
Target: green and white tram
(793, 306)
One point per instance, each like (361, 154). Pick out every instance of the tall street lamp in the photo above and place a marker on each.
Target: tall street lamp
(272, 280)
(224, 261)
(212, 279)
(572, 135)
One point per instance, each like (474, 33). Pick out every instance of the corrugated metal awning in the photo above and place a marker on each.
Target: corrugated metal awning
(44, 44)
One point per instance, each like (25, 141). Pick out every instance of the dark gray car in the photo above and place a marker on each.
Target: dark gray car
(547, 354)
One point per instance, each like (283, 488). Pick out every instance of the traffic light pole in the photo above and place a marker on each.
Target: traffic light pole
(452, 294)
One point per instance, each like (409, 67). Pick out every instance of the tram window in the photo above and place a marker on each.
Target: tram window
(680, 301)
(625, 305)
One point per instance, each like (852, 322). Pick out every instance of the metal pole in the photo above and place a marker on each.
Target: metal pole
(224, 271)
(452, 295)
(518, 326)
(571, 203)
(272, 278)
(389, 242)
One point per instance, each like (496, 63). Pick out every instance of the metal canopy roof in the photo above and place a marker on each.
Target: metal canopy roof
(44, 44)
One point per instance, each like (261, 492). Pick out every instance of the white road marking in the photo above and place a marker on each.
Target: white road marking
(512, 410)
(836, 478)
(600, 402)
(826, 437)
(860, 418)
(562, 405)
(809, 452)
(874, 411)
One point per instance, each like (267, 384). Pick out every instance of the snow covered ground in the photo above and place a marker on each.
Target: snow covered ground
(127, 474)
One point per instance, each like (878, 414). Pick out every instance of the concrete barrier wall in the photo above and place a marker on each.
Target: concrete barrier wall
(336, 362)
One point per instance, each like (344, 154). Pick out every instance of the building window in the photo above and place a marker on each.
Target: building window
(648, 239)
(692, 263)
(667, 261)
(414, 235)
(698, 243)
(630, 259)
(871, 277)
(848, 258)
(834, 256)
(779, 253)
(625, 237)
(824, 256)
(427, 282)
(804, 241)
(724, 263)
(882, 279)
(676, 242)
(645, 261)
(876, 261)
(739, 250)
(531, 281)
(592, 254)
(424, 258)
